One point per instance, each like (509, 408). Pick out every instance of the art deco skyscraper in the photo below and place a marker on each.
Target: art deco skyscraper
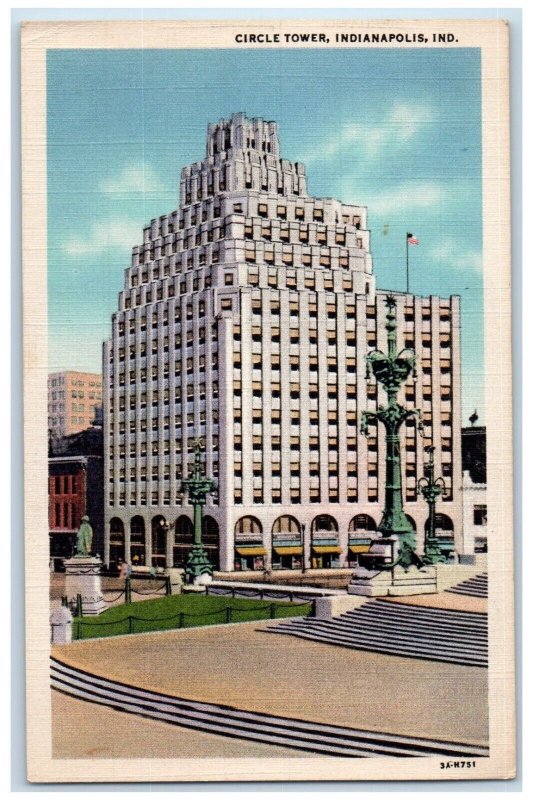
(245, 319)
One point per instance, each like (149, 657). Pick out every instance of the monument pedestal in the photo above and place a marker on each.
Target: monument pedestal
(376, 577)
(83, 577)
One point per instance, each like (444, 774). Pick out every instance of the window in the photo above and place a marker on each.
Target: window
(480, 515)
(228, 279)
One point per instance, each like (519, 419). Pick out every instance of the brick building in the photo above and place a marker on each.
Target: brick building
(75, 489)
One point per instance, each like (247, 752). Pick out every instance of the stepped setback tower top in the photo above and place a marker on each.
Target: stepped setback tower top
(243, 163)
(245, 320)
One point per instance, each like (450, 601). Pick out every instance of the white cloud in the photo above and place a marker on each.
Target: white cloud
(105, 235)
(452, 253)
(412, 195)
(400, 125)
(409, 120)
(133, 178)
(432, 197)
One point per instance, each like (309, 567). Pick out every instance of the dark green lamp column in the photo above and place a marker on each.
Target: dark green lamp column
(198, 487)
(431, 489)
(391, 371)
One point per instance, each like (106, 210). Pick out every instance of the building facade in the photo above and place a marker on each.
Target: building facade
(75, 489)
(474, 454)
(73, 402)
(245, 319)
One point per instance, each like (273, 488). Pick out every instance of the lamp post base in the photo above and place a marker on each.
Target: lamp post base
(397, 582)
(198, 569)
(375, 575)
(433, 553)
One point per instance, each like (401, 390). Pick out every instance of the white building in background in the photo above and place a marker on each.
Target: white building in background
(474, 516)
(245, 319)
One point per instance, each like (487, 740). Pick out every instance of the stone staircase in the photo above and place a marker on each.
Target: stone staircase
(399, 629)
(223, 720)
(476, 586)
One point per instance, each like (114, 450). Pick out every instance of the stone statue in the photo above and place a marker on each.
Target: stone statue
(84, 539)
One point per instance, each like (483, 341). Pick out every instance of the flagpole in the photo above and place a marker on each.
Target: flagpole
(407, 260)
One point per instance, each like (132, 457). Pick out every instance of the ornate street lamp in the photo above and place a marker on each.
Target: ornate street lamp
(431, 488)
(391, 371)
(198, 487)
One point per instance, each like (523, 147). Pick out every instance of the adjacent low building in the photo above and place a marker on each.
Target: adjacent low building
(245, 319)
(75, 489)
(474, 456)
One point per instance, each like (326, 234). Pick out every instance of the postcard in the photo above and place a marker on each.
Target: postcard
(267, 390)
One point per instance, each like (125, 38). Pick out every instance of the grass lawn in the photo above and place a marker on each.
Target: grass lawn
(182, 611)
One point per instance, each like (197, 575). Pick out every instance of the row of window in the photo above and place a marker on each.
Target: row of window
(155, 475)
(184, 246)
(190, 395)
(315, 496)
(178, 318)
(140, 425)
(201, 282)
(141, 499)
(321, 234)
(63, 484)
(64, 515)
(178, 445)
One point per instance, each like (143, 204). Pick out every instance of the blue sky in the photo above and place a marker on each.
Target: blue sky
(396, 130)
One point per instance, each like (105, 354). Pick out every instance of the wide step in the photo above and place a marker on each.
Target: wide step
(476, 586)
(223, 720)
(401, 630)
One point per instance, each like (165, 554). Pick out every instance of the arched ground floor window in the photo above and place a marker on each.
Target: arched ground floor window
(287, 543)
(159, 541)
(137, 542)
(210, 540)
(249, 549)
(117, 544)
(183, 540)
(325, 550)
(361, 531)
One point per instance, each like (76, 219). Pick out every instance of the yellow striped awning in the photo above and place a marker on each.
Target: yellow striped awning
(251, 551)
(359, 548)
(289, 550)
(326, 548)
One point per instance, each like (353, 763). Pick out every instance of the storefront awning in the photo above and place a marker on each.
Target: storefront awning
(289, 550)
(359, 548)
(251, 551)
(326, 548)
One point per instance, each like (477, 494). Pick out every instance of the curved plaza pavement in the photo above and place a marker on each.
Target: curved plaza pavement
(241, 666)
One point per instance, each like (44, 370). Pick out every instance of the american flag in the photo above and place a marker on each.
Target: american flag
(411, 239)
